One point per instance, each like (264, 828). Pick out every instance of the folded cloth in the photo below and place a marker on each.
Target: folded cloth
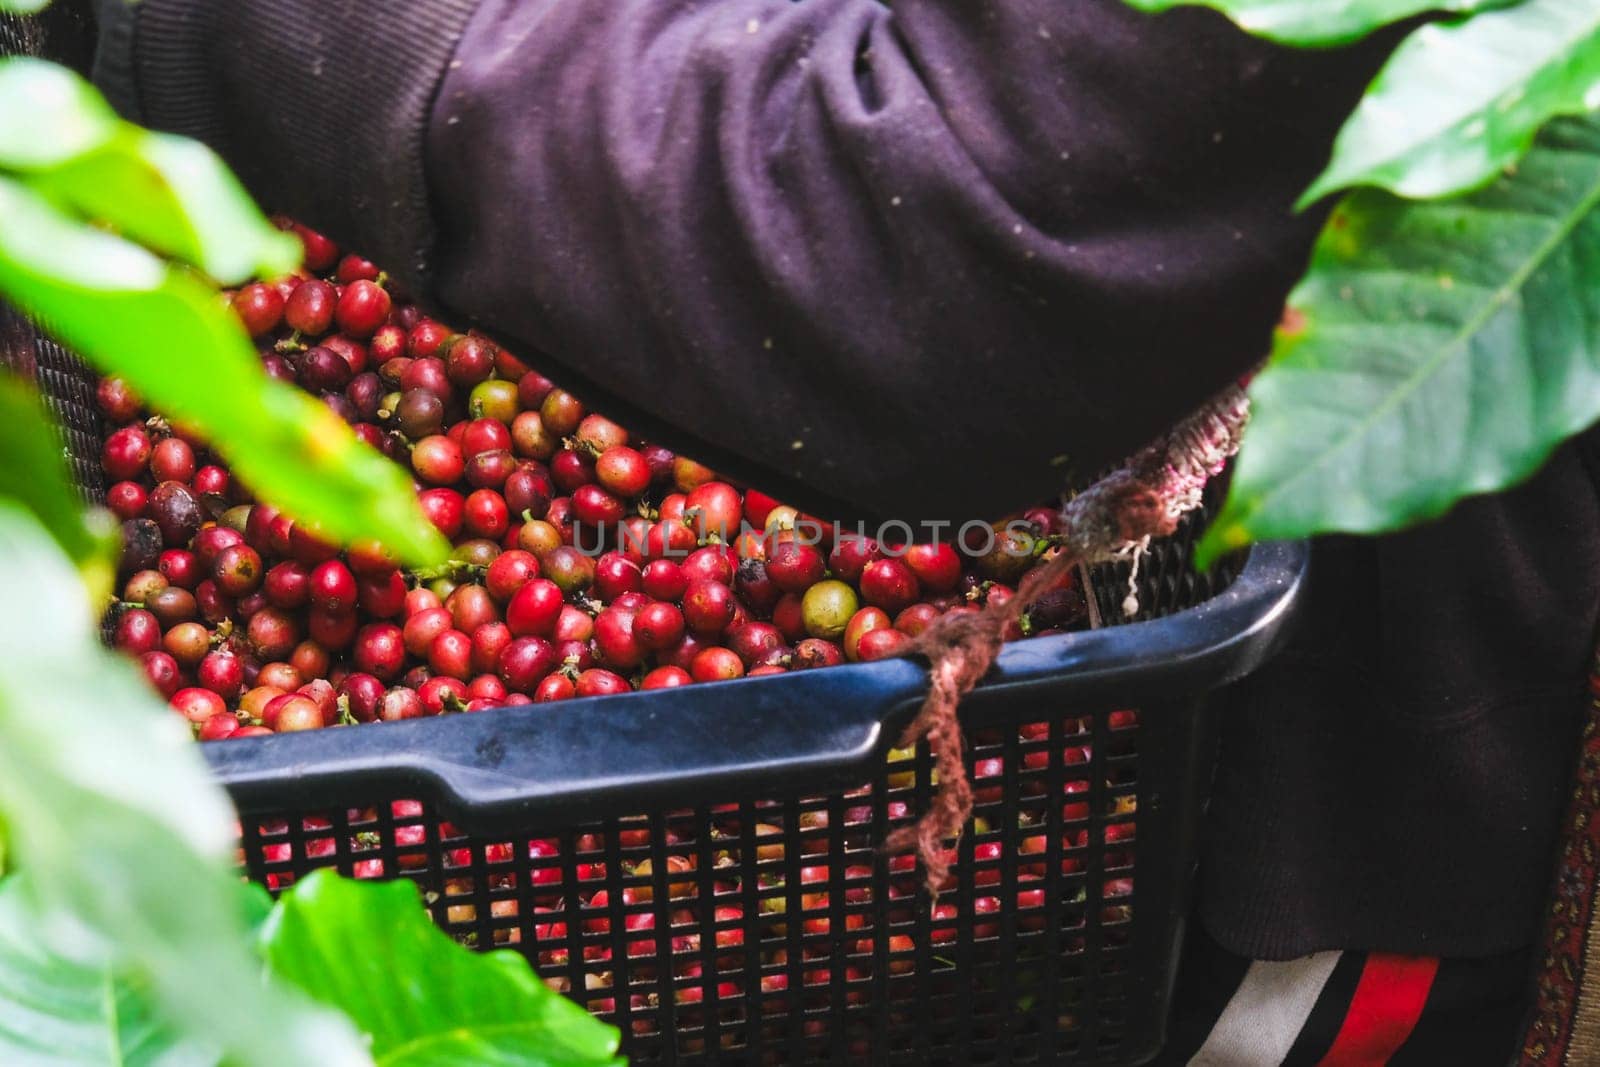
(1344, 1009)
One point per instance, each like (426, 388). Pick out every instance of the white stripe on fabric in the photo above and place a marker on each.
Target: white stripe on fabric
(1266, 1012)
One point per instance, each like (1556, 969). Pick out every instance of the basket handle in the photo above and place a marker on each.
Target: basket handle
(585, 757)
(817, 730)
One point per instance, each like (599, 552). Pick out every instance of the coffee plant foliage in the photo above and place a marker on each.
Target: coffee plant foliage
(1318, 23)
(1438, 345)
(114, 238)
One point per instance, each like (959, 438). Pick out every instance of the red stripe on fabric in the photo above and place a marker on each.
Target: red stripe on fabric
(1385, 1008)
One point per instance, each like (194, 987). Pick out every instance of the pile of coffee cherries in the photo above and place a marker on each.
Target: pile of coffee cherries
(586, 562)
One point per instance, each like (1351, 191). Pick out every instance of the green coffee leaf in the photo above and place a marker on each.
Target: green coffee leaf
(1434, 350)
(170, 194)
(126, 840)
(255, 904)
(1457, 103)
(50, 115)
(23, 7)
(175, 196)
(422, 999)
(59, 1010)
(1320, 23)
(166, 333)
(35, 476)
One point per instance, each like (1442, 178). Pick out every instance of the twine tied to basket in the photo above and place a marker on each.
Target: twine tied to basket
(1114, 517)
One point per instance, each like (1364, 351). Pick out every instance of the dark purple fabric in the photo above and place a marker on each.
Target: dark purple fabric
(1395, 780)
(914, 261)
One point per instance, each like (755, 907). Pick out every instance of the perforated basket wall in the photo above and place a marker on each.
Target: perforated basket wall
(772, 930)
(62, 33)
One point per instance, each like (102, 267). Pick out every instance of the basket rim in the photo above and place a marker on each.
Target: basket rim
(819, 729)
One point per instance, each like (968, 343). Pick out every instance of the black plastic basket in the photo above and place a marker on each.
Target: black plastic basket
(787, 937)
(767, 927)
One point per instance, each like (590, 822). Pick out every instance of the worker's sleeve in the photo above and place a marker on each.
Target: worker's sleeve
(911, 261)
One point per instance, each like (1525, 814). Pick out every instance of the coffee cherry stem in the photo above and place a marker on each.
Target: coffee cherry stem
(342, 702)
(691, 518)
(1047, 542)
(290, 344)
(582, 446)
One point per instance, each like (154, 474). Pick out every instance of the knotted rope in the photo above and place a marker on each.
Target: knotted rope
(1144, 499)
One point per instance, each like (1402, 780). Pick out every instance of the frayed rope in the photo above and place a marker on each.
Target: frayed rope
(1144, 499)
